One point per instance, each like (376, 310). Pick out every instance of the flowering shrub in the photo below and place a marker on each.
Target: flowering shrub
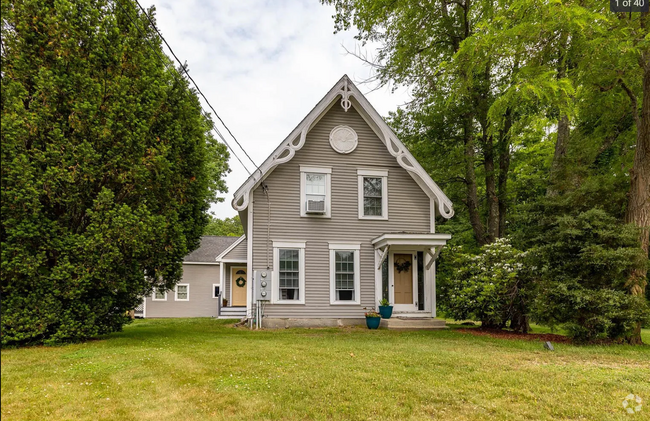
(488, 287)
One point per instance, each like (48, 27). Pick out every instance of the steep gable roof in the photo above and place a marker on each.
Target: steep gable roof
(211, 246)
(350, 96)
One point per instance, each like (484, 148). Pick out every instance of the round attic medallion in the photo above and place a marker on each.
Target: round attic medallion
(343, 139)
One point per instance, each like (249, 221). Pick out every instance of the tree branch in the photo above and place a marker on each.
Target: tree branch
(635, 104)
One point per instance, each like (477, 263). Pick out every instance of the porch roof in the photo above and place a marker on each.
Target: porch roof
(421, 239)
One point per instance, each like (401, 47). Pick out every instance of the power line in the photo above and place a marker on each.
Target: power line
(153, 25)
(174, 71)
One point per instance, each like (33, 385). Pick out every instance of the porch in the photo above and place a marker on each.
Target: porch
(406, 276)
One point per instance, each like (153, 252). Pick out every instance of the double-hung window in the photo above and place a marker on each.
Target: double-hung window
(182, 292)
(159, 294)
(344, 273)
(289, 274)
(315, 191)
(289, 268)
(373, 194)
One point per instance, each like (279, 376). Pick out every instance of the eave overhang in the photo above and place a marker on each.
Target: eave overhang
(419, 240)
(430, 243)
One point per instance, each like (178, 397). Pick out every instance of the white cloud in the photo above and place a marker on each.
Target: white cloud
(263, 65)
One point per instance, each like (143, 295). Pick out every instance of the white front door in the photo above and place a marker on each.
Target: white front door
(402, 276)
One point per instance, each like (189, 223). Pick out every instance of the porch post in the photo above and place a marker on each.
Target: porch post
(434, 309)
(378, 280)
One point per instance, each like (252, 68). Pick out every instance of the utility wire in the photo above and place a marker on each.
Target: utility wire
(175, 71)
(153, 25)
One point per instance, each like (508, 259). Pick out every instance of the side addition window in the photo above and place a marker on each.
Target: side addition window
(289, 267)
(344, 273)
(315, 191)
(159, 295)
(373, 194)
(182, 292)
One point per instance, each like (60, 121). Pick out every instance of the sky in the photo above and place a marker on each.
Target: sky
(263, 65)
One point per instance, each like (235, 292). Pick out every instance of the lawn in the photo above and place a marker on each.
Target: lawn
(197, 369)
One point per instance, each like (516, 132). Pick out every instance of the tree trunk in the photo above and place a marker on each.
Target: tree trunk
(563, 129)
(490, 188)
(561, 143)
(470, 181)
(504, 168)
(638, 207)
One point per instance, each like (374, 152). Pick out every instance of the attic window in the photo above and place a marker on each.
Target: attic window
(315, 192)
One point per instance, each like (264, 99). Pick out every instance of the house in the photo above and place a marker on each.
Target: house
(205, 283)
(339, 216)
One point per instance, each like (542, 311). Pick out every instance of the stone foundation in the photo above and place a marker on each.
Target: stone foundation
(287, 323)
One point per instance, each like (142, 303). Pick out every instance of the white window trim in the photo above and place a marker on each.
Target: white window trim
(216, 285)
(353, 247)
(176, 292)
(153, 296)
(328, 190)
(383, 174)
(275, 293)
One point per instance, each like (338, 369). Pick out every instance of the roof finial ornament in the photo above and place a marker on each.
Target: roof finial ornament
(345, 96)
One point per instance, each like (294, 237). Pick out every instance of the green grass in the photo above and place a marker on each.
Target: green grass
(197, 369)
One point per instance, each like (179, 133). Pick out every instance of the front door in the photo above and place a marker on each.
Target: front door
(238, 286)
(403, 276)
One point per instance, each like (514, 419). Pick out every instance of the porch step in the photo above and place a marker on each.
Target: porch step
(232, 312)
(412, 323)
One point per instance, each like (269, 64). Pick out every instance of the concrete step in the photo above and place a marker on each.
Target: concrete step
(232, 312)
(412, 323)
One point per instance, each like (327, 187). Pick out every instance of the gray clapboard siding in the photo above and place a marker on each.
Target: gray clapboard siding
(201, 303)
(238, 253)
(408, 208)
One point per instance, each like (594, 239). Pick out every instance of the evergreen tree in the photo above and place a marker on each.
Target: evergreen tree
(108, 168)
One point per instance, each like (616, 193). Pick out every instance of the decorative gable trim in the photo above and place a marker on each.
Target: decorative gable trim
(350, 96)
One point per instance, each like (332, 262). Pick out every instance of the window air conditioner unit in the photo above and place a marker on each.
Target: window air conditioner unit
(315, 206)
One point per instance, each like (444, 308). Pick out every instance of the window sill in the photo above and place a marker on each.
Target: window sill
(306, 215)
(344, 303)
(289, 302)
(374, 218)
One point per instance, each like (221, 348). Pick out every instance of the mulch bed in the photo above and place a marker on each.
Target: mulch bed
(504, 334)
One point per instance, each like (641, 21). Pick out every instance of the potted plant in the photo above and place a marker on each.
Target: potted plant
(385, 309)
(372, 319)
(225, 302)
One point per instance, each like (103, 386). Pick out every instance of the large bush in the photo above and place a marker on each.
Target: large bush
(585, 261)
(107, 168)
(491, 286)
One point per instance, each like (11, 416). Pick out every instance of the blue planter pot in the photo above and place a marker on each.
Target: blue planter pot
(373, 322)
(386, 311)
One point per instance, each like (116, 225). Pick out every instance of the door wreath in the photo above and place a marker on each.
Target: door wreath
(402, 265)
(240, 282)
